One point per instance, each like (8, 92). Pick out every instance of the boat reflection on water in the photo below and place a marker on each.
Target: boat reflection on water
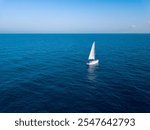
(91, 75)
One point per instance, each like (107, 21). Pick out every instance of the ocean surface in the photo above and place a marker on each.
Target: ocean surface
(48, 73)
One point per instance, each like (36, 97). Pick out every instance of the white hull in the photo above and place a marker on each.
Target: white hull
(93, 62)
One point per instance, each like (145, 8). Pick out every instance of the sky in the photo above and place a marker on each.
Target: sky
(74, 16)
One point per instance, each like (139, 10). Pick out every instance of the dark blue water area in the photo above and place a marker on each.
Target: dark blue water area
(48, 73)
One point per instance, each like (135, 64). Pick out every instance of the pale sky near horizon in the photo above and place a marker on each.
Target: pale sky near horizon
(74, 16)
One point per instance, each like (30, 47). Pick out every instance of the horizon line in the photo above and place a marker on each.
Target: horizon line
(81, 33)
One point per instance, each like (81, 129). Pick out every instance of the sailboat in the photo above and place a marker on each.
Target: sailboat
(91, 59)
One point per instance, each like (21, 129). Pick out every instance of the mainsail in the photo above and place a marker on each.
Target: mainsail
(92, 53)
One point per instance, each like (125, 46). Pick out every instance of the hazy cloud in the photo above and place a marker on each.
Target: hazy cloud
(133, 26)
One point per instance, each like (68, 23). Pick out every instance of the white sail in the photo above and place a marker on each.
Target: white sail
(92, 53)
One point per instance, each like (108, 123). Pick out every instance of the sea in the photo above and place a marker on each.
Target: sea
(48, 73)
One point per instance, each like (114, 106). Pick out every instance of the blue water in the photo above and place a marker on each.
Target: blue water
(48, 73)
